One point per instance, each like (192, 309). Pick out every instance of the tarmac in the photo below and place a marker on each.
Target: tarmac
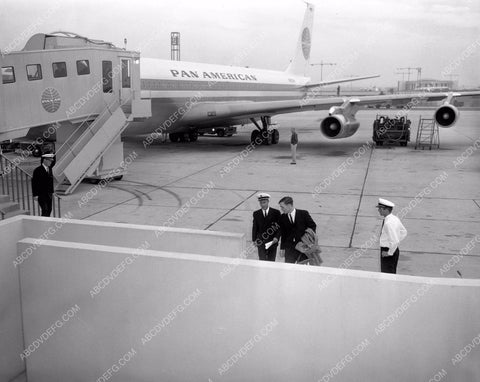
(212, 184)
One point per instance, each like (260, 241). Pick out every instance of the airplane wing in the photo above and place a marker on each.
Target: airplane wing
(339, 81)
(241, 110)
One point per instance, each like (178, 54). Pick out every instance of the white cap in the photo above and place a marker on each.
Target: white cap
(385, 203)
(48, 156)
(263, 196)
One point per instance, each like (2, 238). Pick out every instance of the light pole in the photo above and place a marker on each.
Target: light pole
(322, 64)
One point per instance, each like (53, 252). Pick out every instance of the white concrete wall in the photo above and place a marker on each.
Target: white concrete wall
(11, 340)
(278, 319)
(133, 236)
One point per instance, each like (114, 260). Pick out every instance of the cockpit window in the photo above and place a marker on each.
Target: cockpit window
(8, 75)
(34, 72)
(59, 69)
(83, 67)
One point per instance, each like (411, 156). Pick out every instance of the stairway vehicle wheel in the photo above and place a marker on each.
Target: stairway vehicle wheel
(221, 133)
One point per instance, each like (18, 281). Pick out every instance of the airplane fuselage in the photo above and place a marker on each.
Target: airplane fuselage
(191, 94)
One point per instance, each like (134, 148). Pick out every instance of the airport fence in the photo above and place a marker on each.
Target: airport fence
(16, 183)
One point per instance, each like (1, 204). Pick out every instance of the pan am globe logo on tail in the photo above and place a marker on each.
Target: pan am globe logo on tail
(51, 100)
(306, 43)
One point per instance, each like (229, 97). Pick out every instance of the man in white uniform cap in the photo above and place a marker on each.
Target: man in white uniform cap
(393, 232)
(266, 228)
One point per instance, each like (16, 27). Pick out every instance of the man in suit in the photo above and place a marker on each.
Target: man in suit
(266, 228)
(42, 183)
(293, 225)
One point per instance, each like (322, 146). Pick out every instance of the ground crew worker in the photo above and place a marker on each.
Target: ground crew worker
(293, 146)
(392, 233)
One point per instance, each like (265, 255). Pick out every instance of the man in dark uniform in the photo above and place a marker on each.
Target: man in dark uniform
(293, 225)
(42, 183)
(266, 228)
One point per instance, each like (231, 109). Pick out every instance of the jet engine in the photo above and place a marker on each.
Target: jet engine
(339, 126)
(446, 115)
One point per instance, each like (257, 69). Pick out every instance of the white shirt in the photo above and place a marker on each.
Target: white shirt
(265, 212)
(46, 168)
(292, 214)
(393, 232)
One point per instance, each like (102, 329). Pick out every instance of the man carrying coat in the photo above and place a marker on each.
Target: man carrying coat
(42, 183)
(266, 229)
(293, 225)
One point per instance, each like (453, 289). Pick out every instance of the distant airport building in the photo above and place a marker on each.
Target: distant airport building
(427, 83)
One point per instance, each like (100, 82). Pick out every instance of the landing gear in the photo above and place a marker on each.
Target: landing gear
(193, 136)
(264, 135)
(183, 137)
(174, 137)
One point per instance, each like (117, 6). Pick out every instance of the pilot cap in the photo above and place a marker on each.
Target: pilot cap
(385, 203)
(263, 196)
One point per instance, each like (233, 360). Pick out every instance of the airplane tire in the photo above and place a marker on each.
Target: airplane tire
(254, 136)
(118, 177)
(174, 137)
(193, 136)
(275, 136)
(268, 140)
(184, 137)
(221, 133)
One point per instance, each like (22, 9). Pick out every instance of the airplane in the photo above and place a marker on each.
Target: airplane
(237, 95)
(86, 93)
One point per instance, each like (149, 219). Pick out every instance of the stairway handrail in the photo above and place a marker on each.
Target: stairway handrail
(25, 178)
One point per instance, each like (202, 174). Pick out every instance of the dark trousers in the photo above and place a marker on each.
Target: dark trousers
(389, 264)
(267, 254)
(45, 203)
(292, 255)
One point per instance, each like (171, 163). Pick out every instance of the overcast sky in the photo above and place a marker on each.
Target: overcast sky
(380, 35)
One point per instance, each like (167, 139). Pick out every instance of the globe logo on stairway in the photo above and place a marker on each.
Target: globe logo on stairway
(306, 43)
(51, 100)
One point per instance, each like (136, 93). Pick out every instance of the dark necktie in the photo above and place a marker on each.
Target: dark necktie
(264, 213)
(291, 219)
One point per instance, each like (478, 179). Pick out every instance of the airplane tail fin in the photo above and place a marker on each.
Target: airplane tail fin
(299, 65)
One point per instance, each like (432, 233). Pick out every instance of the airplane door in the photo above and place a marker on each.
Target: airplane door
(126, 92)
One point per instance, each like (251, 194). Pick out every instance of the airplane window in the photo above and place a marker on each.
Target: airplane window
(83, 67)
(8, 75)
(59, 69)
(34, 72)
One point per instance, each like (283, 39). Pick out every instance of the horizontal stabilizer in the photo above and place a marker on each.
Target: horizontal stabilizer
(350, 79)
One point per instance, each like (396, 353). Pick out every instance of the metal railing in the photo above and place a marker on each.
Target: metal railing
(17, 184)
